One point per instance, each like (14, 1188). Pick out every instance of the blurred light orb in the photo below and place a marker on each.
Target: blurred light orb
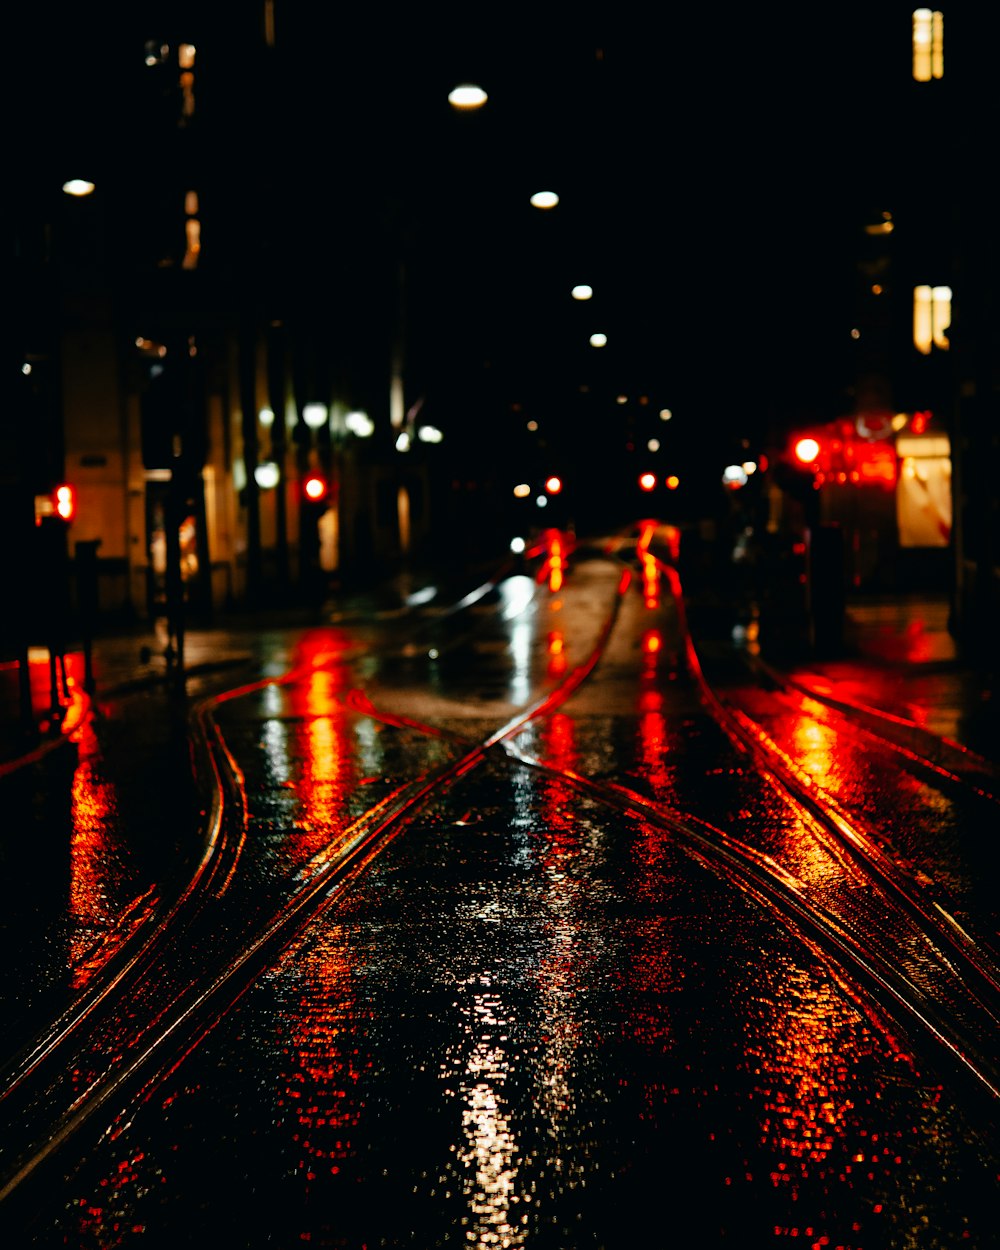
(544, 199)
(673, 481)
(517, 545)
(598, 340)
(267, 475)
(522, 490)
(360, 423)
(314, 415)
(653, 445)
(734, 476)
(467, 96)
(582, 292)
(429, 434)
(78, 187)
(665, 414)
(541, 501)
(806, 450)
(266, 418)
(403, 441)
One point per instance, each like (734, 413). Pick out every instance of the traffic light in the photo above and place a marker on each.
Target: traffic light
(806, 450)
(58, 504)
(64, 502)
(315, 487)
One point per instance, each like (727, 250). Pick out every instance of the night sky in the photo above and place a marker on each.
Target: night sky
(714, 171)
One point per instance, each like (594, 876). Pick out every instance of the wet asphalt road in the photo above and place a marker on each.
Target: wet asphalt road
(454, 986)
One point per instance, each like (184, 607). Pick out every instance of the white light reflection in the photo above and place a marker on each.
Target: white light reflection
(274, 743)
(419, 597)
(491, 1148)
(517, 596)
(521, 636)
(370, 754)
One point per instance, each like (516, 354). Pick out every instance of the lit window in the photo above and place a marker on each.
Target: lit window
(187, 94)
(883, 225)
(928, 45)
(192, 230)
(931, 318)
(156, 53)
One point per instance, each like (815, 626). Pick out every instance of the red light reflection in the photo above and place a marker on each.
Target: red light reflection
(560, 972)
(322, 762)
(557, 654)
(322, 1103)
(557, 548)
(650, 581)
(96, 862)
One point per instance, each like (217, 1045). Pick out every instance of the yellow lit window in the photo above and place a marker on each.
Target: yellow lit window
(192, 230)
(928, 45)
(187, 94)
(931, 318)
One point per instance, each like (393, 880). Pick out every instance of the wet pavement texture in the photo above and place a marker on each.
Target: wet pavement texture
(554, 999)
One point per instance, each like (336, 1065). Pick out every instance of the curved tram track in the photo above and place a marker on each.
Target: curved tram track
(891, 937)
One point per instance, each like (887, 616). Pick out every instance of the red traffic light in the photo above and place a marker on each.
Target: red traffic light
(553, 485)
(647, 481)
(315, 487)
(806, 450)
(64, 502)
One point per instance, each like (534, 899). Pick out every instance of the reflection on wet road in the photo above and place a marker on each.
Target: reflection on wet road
(519, 937)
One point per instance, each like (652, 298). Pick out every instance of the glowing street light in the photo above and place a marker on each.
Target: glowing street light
(806, 450)
(544, 199)
(315, 415)
(267, 475)
(360, 423)
(467, 97)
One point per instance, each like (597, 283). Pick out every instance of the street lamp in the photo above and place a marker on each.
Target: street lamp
(359, 423)
(466, 97)
(267, 475)
(315, 416)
